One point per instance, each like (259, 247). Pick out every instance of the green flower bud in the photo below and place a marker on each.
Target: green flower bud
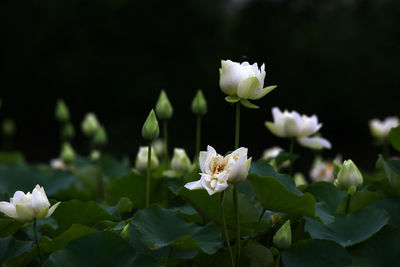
(164, 108)
(95, 155)
(199, 104)
(283, 237)
(348, 176)
(180, 161)
(150, 130)
(68, 131)
(61, 112)
(90, 124)
(125, 232)
(100, 137)
(8, 127)
(141, 159)
(67, 153)
(299, 179)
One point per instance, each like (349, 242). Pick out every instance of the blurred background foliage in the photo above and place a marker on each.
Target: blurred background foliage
(339, 59)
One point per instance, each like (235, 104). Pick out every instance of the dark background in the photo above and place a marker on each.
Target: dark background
(337, 59)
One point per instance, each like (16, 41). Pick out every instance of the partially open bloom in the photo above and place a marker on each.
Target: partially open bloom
(272, 152)
(293, 125)
(349, 176)
(242, 82)
(141, 159)
(380, 129)
(217, 171)
(26, 207)
(180, 162)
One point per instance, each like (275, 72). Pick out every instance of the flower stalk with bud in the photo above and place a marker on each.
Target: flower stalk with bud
(164, 112)
(199, 108)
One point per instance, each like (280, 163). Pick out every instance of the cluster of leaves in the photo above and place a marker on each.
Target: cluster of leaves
(102, 220)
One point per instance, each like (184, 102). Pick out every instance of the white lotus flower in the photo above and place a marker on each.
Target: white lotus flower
(27, 207)
(272, 152)
(381, 129)
(180, 162)
(243, 81)
(218, 171)
(322, 171)
(141, 159)
(291, 125)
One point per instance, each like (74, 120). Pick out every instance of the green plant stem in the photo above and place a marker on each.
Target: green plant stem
(198, 136)
(235, 192)
(37, 241)
(224, 226)
(291, 149)
(165, 137)
(169, 254)
(148, 176)
(262, 214)
(237, 128)
(348, 203)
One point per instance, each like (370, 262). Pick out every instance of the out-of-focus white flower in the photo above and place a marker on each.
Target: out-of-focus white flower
(293, 125)
(272, 152)
(322, 171)
(158, 146)
(380, 129)
(141, 159)
(26, 207)
(95, 155)
(349, 176)
(217, 171)
(242, 82)
(299, 179)
(180, 161)
(58, 164)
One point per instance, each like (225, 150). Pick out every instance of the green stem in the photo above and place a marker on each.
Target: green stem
(237, 128)
(198, 135)
(169, 254)
(262, 214)
(224, 225)
(37, 241)
(148, 176)
(348, 203)
(291, 148)
(165, 137)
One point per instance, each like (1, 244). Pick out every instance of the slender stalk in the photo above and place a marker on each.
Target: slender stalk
(235, 192)
(148, 176)
(262, 214)
(224, 225)
(291, 148)
(37, 241)
(348, 203)
(165, 137)
(198, 136)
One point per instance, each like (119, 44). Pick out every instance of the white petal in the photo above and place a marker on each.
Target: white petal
(8, 209)
(194, 185)
(20, 198)
(39, 201)
(52, 209)
(240, 170)
(275, 129)
(219, 188)
(24, 212)
(314, 142)
(202, 160)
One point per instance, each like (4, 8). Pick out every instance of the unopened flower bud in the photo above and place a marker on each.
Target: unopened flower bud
(283, 237)
(199, 104)
(61, 112)
(67, 153)
(348, 176)
(8, 127)
(90, 124)
(125, 232)
(141, 159)
(150, 130)
(164, 108)
(299, 179)
(100, 137)
(68, 131)
(180, 161)
(95, 155)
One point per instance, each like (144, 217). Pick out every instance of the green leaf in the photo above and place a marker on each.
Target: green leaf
(349, 229)
(209, 209)
(248, 104)
(10, 247)
(392, 170)
(391, 206)
(380, 250)
(9, 226)
(316, 253)
(328, 193)
(232, 98)
(158, 227)
(255, 254)
(323, 212)
(112, 167)
(274, 196)
(15, 157)
(359, 200)
(99, 249)
(74, 232)
(394, 136)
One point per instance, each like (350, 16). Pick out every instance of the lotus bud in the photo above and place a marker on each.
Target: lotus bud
(164, 108)
(180, 162)
(68, 131)
(348, 176)
(8, 127)
(95, 155)
(125, 232)
(151, 130)
(100, 137)
(299, 179)
(90, 124)
(141, 159)
(61, 112)
(283, 237)
(67, 153)
(27, 207)
(199, 104)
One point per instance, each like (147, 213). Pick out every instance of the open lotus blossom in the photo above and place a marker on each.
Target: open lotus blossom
(27, 207)
(380, 129)
(243, 81)
(293, 125)
(218, 171)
